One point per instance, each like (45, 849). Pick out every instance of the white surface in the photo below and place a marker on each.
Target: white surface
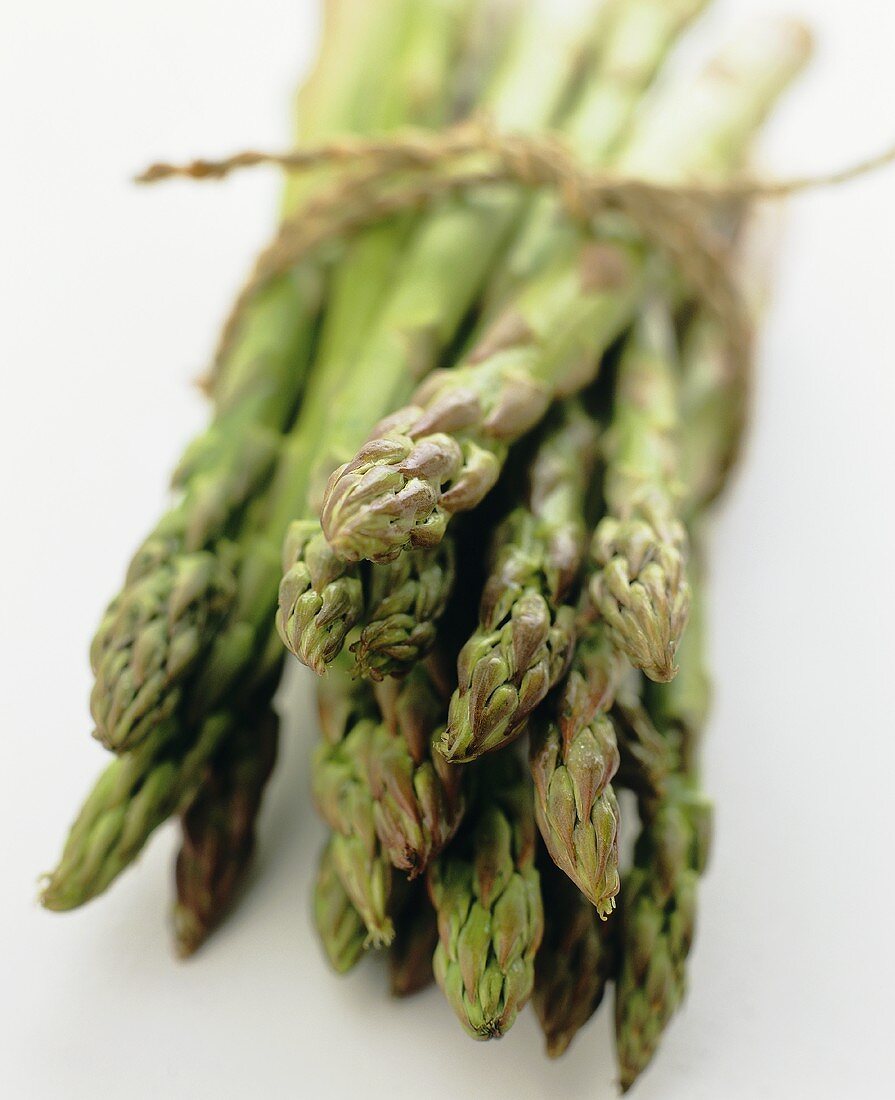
(111, 296)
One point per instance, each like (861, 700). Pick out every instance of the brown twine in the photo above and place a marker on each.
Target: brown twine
(670, 217)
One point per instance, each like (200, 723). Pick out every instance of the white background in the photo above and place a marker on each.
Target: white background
(110, 298)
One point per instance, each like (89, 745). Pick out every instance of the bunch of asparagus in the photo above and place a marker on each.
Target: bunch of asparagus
(487, 441)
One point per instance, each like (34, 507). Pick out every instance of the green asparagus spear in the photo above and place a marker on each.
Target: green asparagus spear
(486, 893)
(574, 963)
(344, 801)
(641, 588)
(637, 37)
(374, 778)
(339, 925)
(658, 897)
(713, 408)
(647, 755)
(659, 894)
(224, 654)
(422, 93)
(134, 672)
(152, 636)
(658, 911)
(314, 622)
(681, 708)
(218, 830)
(574, 756)
(444, 452)
(320, 598)
(378, 772)
(524, 639)
(348, 716)
(135, 794)
(142, 788)
(442, 269)
(183, 580)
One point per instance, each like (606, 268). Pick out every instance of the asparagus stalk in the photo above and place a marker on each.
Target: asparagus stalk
(344, 801)
(647, 756)
(488, 37)
(716, 385)
(146, 785)
(408, 95)
(384, 749)
(574, 756)
(389, 799)
(419, 91)
(364, 872)
(433, 36)
(711, 387)
(222, 656)
(141, 788)
(152, 636)
(133, 796)
(320, 598)
(681, 708)
(574, 963)
(416, 937)
(637, 37)
(339, 925)
(636, 44)
(657, 925)
(659, 894)
(443, 453)
(218, 829)
(714, 397)
(442, 270)
(487, 896)
(183, 579)
(524, 639)
(641, 589)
